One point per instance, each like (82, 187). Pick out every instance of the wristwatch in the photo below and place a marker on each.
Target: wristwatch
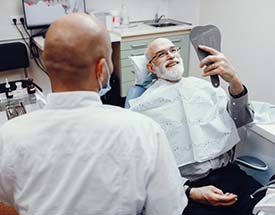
(187, 190)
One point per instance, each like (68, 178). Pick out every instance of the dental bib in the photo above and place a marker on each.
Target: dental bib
(193, 115)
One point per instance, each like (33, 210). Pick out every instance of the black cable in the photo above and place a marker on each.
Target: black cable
(38, 63)
(36, 59)
(22, 35)
(35, 49)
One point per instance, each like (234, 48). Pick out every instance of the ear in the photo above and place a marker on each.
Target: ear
(150, 68)
(100, 69)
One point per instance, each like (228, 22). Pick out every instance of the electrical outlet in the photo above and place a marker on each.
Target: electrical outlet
(17, 17)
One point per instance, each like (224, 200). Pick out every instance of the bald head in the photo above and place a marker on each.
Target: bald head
(74, 46)
(157, 45)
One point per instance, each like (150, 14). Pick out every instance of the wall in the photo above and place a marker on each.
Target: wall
(9, 8)
(184, 10)
(137, 10)
(187, 11)
(247, 40)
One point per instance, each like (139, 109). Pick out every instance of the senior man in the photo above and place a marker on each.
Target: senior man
(78, 156)
(201, 125)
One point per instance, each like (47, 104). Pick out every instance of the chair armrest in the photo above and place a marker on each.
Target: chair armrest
(252, 162)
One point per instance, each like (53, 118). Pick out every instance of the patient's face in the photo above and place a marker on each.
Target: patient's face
(170, 70)
(167, 61)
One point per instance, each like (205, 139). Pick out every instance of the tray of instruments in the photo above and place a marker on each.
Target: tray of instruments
(16, 106)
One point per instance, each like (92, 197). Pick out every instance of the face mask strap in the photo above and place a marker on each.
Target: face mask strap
(104, 90)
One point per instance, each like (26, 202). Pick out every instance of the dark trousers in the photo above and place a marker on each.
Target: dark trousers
(229, 179)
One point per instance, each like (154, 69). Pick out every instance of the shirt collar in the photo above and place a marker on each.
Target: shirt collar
(73, 99)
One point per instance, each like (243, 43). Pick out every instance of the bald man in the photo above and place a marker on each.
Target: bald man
(78, 156)
(201, 122)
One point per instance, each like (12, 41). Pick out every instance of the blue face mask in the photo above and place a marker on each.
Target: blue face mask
(104, 90)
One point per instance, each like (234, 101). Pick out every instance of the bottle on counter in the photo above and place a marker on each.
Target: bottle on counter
(124, 13)
(31, 88)
(115, 18)
(20, 92)
(9, 94)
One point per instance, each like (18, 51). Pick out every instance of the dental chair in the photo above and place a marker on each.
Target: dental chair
(250, 164)
(143, 78)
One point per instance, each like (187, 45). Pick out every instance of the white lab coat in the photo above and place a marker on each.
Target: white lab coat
(78, 156)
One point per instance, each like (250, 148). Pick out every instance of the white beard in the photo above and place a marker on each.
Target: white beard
(173, 73)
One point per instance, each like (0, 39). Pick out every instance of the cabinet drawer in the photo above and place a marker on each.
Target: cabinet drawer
(124, 87)
(135, 44)
(176, 38)
(125, 62)
(127, 74)
(143, 43)
(126, 54)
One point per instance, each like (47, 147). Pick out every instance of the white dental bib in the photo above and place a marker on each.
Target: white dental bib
(193, 115)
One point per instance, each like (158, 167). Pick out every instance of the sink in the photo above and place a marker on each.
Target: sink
(165, 23)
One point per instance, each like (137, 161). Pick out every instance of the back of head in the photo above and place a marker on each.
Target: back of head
(73, 45)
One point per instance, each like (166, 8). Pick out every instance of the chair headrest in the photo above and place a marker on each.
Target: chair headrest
(143, 77)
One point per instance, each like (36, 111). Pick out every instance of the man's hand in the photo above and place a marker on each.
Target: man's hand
(222, 67)
(212, 196)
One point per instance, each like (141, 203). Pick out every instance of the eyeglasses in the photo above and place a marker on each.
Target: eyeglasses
(164, 53)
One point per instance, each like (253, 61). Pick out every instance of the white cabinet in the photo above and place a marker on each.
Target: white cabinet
(136, 46)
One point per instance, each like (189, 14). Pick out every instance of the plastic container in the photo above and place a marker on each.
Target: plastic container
(115, 18)
(105, 17)
(9, 94)
(124, 14)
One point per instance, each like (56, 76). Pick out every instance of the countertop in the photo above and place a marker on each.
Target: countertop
(131, 30)
(39, 41)
(265, 130)
(139, 28)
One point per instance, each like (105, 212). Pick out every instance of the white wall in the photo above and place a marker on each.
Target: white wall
(184, 10)
(8, 9)
(187, 11)
(248, 34)
(137, 10)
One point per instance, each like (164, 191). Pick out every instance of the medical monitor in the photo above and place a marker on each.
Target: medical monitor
(41, 13)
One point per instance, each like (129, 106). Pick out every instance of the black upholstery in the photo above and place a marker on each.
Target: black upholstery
(13, 56)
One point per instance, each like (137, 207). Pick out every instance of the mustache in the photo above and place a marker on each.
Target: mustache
(172, 62)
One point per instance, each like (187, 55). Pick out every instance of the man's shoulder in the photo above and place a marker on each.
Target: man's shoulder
(18, 124)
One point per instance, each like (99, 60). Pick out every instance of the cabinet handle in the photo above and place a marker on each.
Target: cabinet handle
(132, 71)
(139, 46)
(138, 54)
(176, 40)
